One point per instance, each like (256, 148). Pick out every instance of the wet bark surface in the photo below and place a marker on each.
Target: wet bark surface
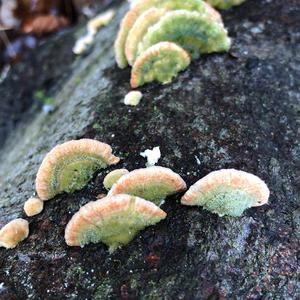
(237, 110)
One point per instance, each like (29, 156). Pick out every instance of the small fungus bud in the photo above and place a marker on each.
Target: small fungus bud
(68, 167)
(160, 62)
(133, 98)
(224, 4)
(33, 206)
(196, 33)
(227, 192)
(13, 233)
(112, 177)
(153, 184)
(112, 220)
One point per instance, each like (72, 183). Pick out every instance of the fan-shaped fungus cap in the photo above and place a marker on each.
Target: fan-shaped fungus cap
(112, 177)
(160, 62)
(112, 220)
(224, 4)
(138, 7)
(195, 32)
(153, 184)
(140, 27)
(33, 206)
(13, 233)
(227, 192)
(69, 166)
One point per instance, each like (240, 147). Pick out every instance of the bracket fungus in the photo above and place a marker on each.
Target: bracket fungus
(33, 206)
(13, 232)
(112, 220)
(112, 177)
(140, 6)
(153, 184)
(227, 192)
(68, 167)
(224, 4)
(160, 62)
(196, 33)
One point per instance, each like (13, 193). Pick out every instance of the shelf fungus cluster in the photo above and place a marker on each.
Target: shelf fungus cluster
(158, 38)
(227, 192)
(13, 233)
(131, 205)
(68, 167)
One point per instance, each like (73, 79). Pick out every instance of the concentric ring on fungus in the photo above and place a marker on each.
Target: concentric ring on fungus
(13, 232)
(69, 166)
(153, 184)
(160, 62)
(139, 6)
(224, 4)
(227, 192)
(196, 33)
(112, 220)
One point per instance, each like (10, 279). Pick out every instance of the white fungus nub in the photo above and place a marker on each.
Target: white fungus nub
(33, 206)
(133, 98)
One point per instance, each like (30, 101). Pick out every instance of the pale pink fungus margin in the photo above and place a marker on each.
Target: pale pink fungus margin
(228, 177)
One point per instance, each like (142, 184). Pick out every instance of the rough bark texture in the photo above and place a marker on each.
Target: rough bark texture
(238, 110)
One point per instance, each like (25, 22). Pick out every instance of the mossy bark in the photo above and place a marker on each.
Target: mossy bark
(238, 110)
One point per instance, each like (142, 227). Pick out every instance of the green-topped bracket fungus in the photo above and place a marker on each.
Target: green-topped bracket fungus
(227, 192)
(160, 62)
(112, 177)
(224, 4)
(195, 32)
(137, 9)
(153, 184)
(112, 220)
(13, 233)
(68, 167)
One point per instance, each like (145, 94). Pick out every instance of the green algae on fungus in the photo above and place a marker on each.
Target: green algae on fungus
(227, 192)
(138, 7)
(68, 167)
(153, 184)
(33, 206)
(224, 4)
(112, 220)
(112, 177)
(196, 33)
(139, 29)
(13, 232)
(160, 62)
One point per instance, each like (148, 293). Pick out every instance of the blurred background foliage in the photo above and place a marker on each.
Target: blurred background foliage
(26, 23)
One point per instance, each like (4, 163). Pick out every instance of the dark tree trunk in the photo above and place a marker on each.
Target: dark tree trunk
(237, 110)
